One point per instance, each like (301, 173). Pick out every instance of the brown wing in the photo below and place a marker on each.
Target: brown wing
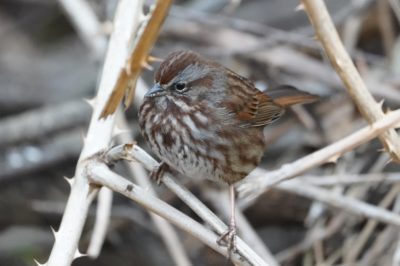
(246, 106)
(286, 95)
(259, 110)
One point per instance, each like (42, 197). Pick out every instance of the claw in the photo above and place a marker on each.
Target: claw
(228, 239)
(158, 173)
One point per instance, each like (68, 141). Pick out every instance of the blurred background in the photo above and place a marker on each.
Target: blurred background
(47, 70)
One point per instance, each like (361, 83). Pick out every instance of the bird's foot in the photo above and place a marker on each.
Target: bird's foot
(158, 173)
(228, 239)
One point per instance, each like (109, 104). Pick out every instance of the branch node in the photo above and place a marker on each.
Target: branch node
(152, 59)
(78, 254)
(147, 66)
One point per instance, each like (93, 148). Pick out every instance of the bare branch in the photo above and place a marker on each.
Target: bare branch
(253, 187)
(336, 200)
(98, 137)
(138, 58)
(358, 243)
(195, 204)
(34, 124)
(369, 108)
(103, 212)
(87, 24)
(249, 234)
(349, 179)
(100, 174)
(167, 232)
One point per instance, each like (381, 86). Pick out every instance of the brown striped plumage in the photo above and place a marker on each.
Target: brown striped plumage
(205, 121)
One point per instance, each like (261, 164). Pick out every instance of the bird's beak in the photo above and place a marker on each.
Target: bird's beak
(156, 90)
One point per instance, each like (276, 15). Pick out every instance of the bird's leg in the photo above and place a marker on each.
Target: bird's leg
(159, 172)
(228, 238)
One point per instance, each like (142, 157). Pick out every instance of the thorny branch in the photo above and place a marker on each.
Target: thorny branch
(329, 38)
(97, 138)
(139, 57)
(81, 182)
(253, 187)
(333, 192)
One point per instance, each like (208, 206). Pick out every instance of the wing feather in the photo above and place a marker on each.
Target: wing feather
(246, 106)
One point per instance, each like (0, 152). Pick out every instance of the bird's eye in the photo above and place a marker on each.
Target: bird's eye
(180, 86)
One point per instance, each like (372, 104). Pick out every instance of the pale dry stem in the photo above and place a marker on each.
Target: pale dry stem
(341, 61)
(253, 187)
(167, 232)
(98, 137)
(100, 174)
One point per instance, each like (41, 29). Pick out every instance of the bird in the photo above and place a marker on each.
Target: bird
(205, 121)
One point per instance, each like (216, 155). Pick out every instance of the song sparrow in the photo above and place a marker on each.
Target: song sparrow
(206, 121)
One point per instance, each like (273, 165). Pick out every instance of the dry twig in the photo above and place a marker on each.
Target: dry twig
(98, 137)
(100, 174)
(253, 187)
(167, 232)
(369, 108)
(361, 240)
(87, 24)
(195, 204)
(337, 200)
(33, 125)
(137, 60)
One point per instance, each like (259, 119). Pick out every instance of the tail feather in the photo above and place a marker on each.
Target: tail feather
(286, 96)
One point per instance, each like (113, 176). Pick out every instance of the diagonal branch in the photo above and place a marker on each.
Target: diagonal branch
(167, 232)
(195, 204)
(138, 58)
(341, 61)
(253, 187)
(86, 23)
(100, 174)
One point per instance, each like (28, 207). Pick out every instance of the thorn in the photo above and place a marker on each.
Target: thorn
(300, 7)
(334, 159)
(339, 62)
(152, 59)
(147, 66)
(38, 263)
(79, 254)
(381, 103)
(390, 148)
(389, 161)
(117, 130)
(70, 181)
(144, 17)
(53, 231)
(128, 68)
(91, 102)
